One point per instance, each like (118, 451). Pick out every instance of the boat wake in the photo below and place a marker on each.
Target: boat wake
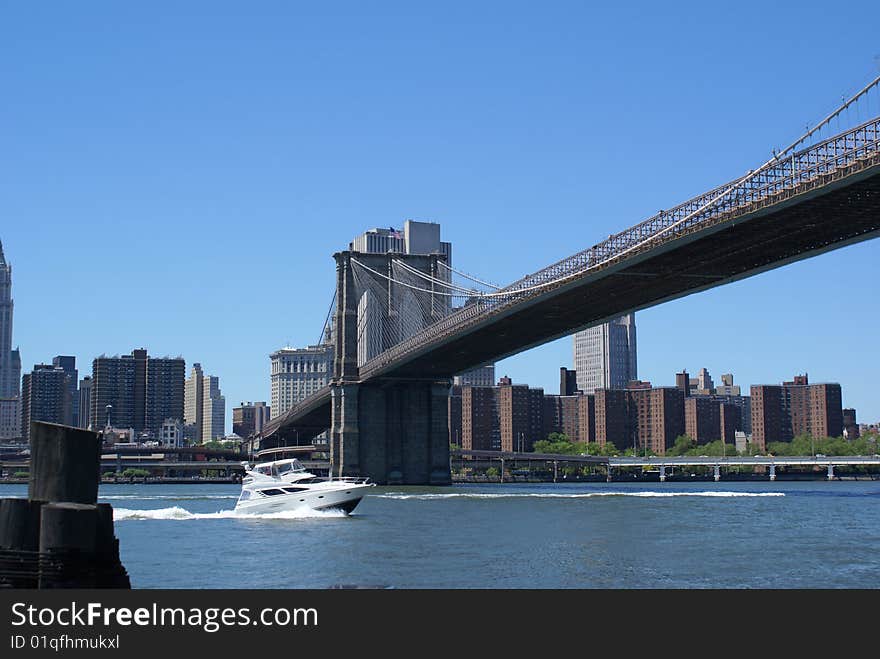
(582, 495)
(175, 497)
(181, 514)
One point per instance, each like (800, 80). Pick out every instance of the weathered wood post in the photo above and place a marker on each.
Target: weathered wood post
(60, 536)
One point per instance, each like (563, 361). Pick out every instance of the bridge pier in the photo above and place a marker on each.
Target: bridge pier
(717, 473)
(394, 432)
(772, 472)
(831, 472)
(662, 473)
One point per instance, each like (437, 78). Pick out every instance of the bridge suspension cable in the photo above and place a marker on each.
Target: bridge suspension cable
(437, 281)
(469, 277)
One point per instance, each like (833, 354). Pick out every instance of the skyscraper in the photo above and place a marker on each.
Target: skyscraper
(605, 355)
(10, 360)
(85, 402)
(205, 407)
(213, 410)
(68, 363)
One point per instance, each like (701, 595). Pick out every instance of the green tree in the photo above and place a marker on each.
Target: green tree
(683, 444)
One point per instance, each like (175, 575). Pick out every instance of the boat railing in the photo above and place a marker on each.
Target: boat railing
(354, 480)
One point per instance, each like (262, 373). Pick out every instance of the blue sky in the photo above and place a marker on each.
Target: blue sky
(177, 175)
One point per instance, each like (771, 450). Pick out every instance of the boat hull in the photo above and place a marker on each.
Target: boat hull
(345, 499)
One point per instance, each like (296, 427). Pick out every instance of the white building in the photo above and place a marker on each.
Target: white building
(605, 355)
(482, 376)
(172, 433)
(298, 373)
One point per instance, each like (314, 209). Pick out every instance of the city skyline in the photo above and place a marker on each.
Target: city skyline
(144, 195)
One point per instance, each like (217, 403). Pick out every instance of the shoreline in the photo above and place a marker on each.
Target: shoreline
(516, 481)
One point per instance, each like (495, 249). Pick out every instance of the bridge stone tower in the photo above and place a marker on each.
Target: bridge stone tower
(393, 430)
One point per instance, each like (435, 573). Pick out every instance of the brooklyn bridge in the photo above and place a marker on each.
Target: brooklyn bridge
(402, 326)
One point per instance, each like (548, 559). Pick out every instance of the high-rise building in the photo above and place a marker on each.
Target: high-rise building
(193, 400)
(45, 397)
(414, 238)
(141, 391)
(204, 414)
(605, 355)
(480, 425)
(587, 418)
(213, 410)
(520, 415)
(482, 376)
(454, 407)
(10, 360)
(562, 415)
(782, 412)
(85, 402)
(640, 417)
(164, 392)
(567, 382)
(68, 363)
(298, 373)
(850, 425)
(249, 418)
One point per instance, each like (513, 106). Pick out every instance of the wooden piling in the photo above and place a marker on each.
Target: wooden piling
(65, 464)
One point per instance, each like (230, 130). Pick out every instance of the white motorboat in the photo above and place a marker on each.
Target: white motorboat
(285, 485)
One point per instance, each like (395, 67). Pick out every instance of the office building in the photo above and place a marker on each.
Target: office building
(139, 391)
(213, 410)
(45, 397)
(204, 417)
(297, 373)
(249, 418)
(567, 382)
(68, 363)
(482, 376)
(10, 360)
(85, 402)
(605, 355)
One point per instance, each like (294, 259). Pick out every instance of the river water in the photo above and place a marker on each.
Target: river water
(813, 534)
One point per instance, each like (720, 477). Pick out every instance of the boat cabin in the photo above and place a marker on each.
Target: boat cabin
(279, 468)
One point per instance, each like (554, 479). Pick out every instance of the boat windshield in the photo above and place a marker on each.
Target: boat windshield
(290, 467)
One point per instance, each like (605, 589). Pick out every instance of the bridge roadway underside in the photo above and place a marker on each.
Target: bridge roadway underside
(842, 213)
